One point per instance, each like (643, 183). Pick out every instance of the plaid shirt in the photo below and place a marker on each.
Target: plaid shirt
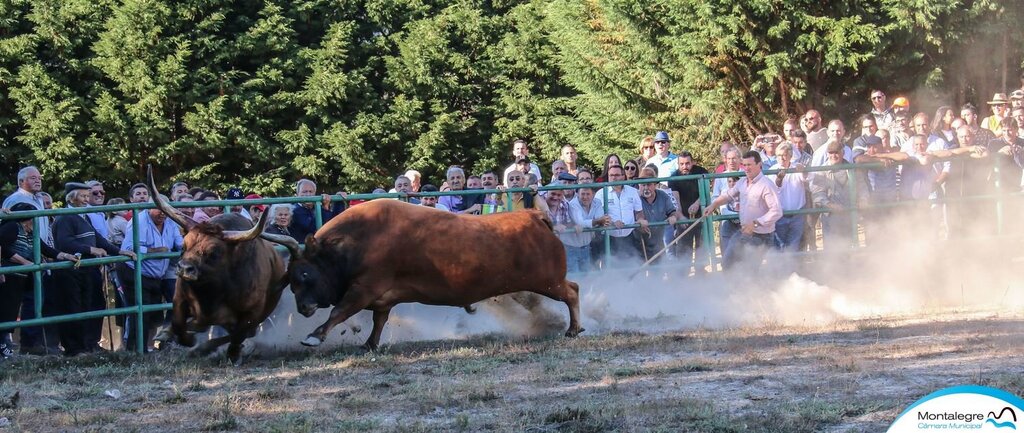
(560, 214)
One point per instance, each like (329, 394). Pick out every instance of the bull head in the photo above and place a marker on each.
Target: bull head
(310, 289)
(189, 266)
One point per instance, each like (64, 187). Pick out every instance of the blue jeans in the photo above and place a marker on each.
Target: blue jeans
(788, 232)
(836, 228)
(577, 259)
(746, 247)
(726, 230)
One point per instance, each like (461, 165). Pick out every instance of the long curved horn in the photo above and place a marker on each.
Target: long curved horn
(247, 235)
(287, 241)
(182, 220)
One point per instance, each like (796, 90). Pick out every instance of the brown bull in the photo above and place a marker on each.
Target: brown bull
(387, 252)
(226, 277)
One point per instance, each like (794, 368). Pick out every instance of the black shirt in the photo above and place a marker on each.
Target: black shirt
(15, 240)
(1011, 167)
(689, 190)
(75, 234)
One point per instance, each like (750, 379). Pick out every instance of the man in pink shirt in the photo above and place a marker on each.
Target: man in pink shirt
(759, 210)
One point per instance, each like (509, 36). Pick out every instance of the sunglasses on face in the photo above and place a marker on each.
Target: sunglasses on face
(98, 193)
(648, 147)
(629, 168)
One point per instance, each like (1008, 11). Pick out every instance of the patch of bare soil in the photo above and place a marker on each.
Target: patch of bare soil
(847, 376)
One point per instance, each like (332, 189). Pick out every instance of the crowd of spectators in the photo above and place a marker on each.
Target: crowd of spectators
(914, 159)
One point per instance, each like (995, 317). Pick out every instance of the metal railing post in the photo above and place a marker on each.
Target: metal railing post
(140, 343)
(37, 275)
(607, 233)
(999, 201)
(707, 232)
(851, 184)
(318, 214)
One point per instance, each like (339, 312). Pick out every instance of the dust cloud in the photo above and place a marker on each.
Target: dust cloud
(900, 271)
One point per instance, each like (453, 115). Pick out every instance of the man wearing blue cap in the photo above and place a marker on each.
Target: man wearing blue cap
(566, 179)
(664, 159)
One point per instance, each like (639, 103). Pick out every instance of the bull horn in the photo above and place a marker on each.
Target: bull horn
(182, 220)
(247, 235)
(288, 241)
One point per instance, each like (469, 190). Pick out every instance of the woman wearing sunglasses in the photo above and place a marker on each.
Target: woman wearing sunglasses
(632, 170)
(646, 150)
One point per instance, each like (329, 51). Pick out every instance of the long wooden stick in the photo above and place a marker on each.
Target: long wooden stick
(688, 229)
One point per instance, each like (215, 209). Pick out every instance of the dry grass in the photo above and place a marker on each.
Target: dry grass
(851, 376)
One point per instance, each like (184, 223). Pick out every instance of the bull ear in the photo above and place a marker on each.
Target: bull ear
(312, 245)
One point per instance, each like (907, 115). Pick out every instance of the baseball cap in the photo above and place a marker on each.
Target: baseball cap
(661, 136)
(261, 207)
(901, 102)
(234, 193)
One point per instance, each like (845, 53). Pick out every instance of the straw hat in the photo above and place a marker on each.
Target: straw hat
(999, 99)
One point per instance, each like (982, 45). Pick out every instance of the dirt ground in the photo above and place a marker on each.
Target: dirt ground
(850, 375)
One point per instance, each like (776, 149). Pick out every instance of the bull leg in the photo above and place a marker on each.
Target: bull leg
(572, 300)
(179, 318)
(569, 293)
(339, 314)
(235, 347)
(380, 318)
(209, 346)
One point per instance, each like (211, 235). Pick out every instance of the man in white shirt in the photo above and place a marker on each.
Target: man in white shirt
(586, 212)
(624, 208)
(30, 182)
(520, 149)
(727, 228)
(792, 196)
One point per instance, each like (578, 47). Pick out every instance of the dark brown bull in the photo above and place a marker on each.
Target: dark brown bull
(226, 277)
(387, 252)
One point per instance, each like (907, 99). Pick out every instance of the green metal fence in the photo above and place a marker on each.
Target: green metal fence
(707, 233)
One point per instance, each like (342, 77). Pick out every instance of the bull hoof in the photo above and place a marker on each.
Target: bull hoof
(187, 339)
(238, 354)
(470, 309)
(311, 341)
(369, 347)
(203, 350)
(572, 333)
